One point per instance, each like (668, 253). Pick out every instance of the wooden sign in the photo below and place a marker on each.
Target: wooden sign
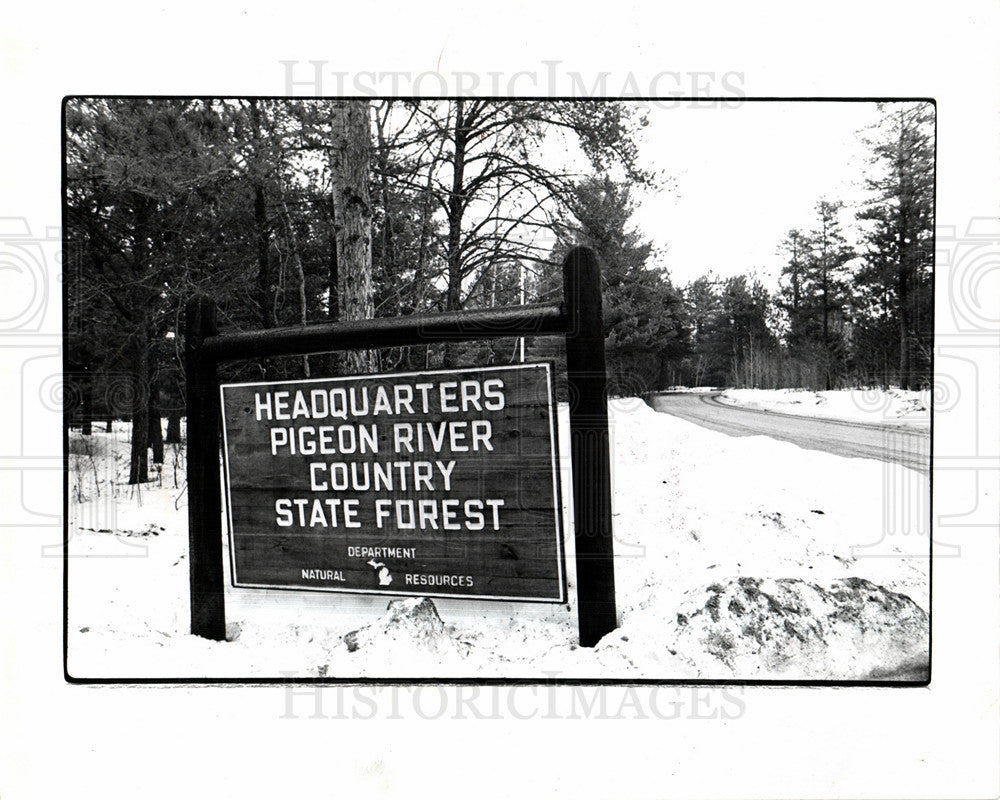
(517, 555)
(440, 483)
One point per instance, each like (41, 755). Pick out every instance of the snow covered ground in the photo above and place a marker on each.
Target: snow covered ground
(855, 405)
(742, 558)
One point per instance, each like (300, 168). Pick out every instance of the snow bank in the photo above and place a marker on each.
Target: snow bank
(735, 558)
(855, 405)
(789, 628)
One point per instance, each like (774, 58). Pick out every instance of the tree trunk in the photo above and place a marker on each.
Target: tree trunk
(353, 218)
(155, 425)
(332, 363)
(174, 427)
(263, 271)
(293, 240)
(86, 428)
(142, 343)
(139, 452)
(419, 277)
(456, 210)
(333, 305)
(904, 328)
(261, 229)
(388, 245)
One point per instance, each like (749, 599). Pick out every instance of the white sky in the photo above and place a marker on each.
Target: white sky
(743, 176)
(739, 177)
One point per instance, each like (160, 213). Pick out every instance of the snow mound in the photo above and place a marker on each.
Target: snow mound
(850, 630)
(410, 634)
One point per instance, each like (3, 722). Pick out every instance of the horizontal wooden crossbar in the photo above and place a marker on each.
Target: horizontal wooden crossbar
(455, 326)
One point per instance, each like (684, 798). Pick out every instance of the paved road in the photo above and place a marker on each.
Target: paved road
(907, 445)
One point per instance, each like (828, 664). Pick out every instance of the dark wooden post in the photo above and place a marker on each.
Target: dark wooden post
(208, 611)
(588, 422)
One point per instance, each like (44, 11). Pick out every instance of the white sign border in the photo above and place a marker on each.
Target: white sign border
(556, 493)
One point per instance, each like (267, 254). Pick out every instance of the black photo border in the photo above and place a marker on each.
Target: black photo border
(732, 102)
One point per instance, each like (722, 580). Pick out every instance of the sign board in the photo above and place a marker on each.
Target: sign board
(439, 483)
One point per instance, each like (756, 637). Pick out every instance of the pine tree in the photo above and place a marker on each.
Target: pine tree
(733, 342)
(138, 173)
(827, 273)
(812, 300)
(899, 253)
(644, 316)
(795, 247)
